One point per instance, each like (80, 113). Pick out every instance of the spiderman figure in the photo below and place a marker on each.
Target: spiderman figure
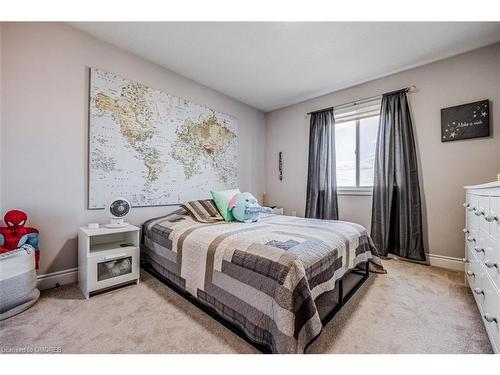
(16, 234)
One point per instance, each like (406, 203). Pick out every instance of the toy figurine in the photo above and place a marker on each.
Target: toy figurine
(245, 208)
(16, 234)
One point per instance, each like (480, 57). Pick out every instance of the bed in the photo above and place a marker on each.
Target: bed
(275, 282)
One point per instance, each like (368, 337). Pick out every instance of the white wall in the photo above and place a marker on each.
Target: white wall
(445, 167)
(45, 123)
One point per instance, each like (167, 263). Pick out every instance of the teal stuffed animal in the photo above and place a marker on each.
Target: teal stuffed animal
(245, 208)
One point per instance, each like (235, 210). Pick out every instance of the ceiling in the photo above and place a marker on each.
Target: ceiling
(275, 64)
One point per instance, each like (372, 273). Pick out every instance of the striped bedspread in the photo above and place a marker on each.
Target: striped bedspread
(269, 277)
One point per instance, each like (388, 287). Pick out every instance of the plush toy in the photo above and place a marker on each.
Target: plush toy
(16, 234)
(245, 208)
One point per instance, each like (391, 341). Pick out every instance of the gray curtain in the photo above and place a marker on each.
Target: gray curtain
(396, 210)
(321, 199)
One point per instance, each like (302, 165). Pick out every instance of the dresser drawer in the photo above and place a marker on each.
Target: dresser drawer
(477, 287)
(481, 212)
(472, 206)
(490, 311)
(469, 252)
(494, 211)
(472, 239)
(473, 272)
(490, 259)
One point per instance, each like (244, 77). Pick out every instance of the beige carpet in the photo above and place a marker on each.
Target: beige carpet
(412, 309)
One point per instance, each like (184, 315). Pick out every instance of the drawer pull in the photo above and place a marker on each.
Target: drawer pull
(479, 249)
(115, 256)
(471, 208)
(490, 318)
(465, 230)
(470, 273)
(470, 239)
(491, 217)
(478, 291)
(465, 205)
(491, 264)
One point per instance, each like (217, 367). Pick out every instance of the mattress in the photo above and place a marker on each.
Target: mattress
(269, 277)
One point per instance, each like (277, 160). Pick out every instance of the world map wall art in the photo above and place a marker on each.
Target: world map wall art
(154, 148)
(465, 121)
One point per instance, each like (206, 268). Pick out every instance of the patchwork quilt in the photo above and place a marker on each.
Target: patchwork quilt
(272, 278)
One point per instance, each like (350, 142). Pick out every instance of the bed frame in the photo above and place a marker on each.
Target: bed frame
(344, 294)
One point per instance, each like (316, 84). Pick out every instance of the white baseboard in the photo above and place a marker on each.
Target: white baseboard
(51, 280)
(450, 263)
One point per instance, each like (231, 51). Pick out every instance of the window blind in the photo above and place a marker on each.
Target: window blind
(357, 111)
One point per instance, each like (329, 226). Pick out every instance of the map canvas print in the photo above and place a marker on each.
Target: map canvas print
(154, 148)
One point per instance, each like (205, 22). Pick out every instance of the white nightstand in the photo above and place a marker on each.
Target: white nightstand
(107, 257)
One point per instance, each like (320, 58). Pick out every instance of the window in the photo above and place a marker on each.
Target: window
(356, 129)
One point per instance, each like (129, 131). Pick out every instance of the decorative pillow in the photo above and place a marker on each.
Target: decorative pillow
(203, 211)
(221, 199)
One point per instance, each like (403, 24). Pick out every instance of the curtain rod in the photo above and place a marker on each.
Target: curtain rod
(407, 89)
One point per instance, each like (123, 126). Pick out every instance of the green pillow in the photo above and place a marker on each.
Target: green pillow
(221, 199)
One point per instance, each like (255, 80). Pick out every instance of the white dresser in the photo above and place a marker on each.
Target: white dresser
(482, 253)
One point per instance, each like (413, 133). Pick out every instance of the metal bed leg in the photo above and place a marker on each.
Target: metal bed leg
(341, 292)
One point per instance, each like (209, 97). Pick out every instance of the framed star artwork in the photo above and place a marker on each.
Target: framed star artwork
(465, 121)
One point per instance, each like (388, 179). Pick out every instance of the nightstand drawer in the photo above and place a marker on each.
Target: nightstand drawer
(107, 269)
